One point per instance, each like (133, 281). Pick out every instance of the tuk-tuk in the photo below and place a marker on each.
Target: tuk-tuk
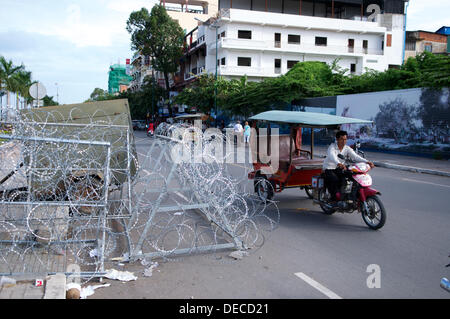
(296, 166)
(191, 118)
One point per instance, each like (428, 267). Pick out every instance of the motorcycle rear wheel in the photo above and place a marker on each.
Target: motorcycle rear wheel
(375, 217)
(324, 196)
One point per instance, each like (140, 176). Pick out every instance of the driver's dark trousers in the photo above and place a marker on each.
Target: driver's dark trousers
(333, 179)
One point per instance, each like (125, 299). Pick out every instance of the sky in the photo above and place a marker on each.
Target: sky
(69, 45)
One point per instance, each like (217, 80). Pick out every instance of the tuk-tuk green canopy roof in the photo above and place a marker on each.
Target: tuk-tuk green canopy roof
(190, 116)
(307, 119)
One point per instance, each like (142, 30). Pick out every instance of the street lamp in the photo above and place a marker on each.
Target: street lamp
(216, 62)
(57, 93)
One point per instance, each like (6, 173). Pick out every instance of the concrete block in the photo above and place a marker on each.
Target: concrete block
(55, 287)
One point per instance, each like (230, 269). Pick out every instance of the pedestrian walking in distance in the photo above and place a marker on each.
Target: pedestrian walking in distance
(247, 131)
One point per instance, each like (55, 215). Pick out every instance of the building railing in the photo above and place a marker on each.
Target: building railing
(195, 43)
(248, 70)
(186, 10)
(284, 46)
(194, 72)
(225, 13)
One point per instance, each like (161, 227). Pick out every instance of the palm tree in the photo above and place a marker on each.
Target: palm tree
(8, 77)
(24, 82)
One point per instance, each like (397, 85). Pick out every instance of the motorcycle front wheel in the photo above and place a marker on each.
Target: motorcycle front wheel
(375, 215)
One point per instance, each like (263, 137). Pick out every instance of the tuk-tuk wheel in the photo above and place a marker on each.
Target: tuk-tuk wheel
(264, 188)
(309, 191)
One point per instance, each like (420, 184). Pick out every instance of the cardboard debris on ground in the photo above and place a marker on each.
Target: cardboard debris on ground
(89, 290)
(120, 275)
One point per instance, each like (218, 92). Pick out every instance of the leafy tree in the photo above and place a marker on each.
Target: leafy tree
(48, 101)
(98, 94)
(200, 94)
(141, 103)
(23, 85)
(314, 79)
(144, 101)
(157, 35)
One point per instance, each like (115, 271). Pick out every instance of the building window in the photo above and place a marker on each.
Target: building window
(352, 68)
(321, 41)
(365, 46)
(222, 62)
(293, 39)
(351, 45)
(244, 34)
(277, 40)
(410, 46)
(291, 63)
(277, 66)
(428, 47)
(222, 34)
(244, 61)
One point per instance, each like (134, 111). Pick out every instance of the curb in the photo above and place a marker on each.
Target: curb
(406, 168)
(412, 169)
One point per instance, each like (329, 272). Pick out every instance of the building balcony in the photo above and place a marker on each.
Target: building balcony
(285, 47)
(195, 44)
(229, 70)
(195, 72)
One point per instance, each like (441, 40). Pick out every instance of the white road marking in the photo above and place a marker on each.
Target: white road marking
(327, 292)
(423, 182)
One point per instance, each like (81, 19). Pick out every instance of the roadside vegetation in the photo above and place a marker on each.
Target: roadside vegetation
(313, 79)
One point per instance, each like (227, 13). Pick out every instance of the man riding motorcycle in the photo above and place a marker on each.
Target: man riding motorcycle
(333, 165)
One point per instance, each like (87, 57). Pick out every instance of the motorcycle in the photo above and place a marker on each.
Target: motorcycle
(150, 131)
(355, 194)
(357, 148)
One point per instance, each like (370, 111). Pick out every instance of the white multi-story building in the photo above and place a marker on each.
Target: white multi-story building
(261, 39)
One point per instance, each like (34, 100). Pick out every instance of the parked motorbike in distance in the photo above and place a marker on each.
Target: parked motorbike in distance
(150, 130)
(357, 148)
(355, 194)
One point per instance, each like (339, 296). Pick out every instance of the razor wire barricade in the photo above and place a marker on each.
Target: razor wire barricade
(75, 194)
(185, 201)
(61, 189)
(44, 224)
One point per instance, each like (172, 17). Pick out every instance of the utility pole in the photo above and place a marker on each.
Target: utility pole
(57, 93)
(215, 81)
(217, 64)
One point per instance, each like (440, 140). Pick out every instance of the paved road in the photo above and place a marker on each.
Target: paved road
(311, 255)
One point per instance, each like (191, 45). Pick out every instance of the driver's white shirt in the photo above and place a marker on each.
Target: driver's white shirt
(332, 159)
